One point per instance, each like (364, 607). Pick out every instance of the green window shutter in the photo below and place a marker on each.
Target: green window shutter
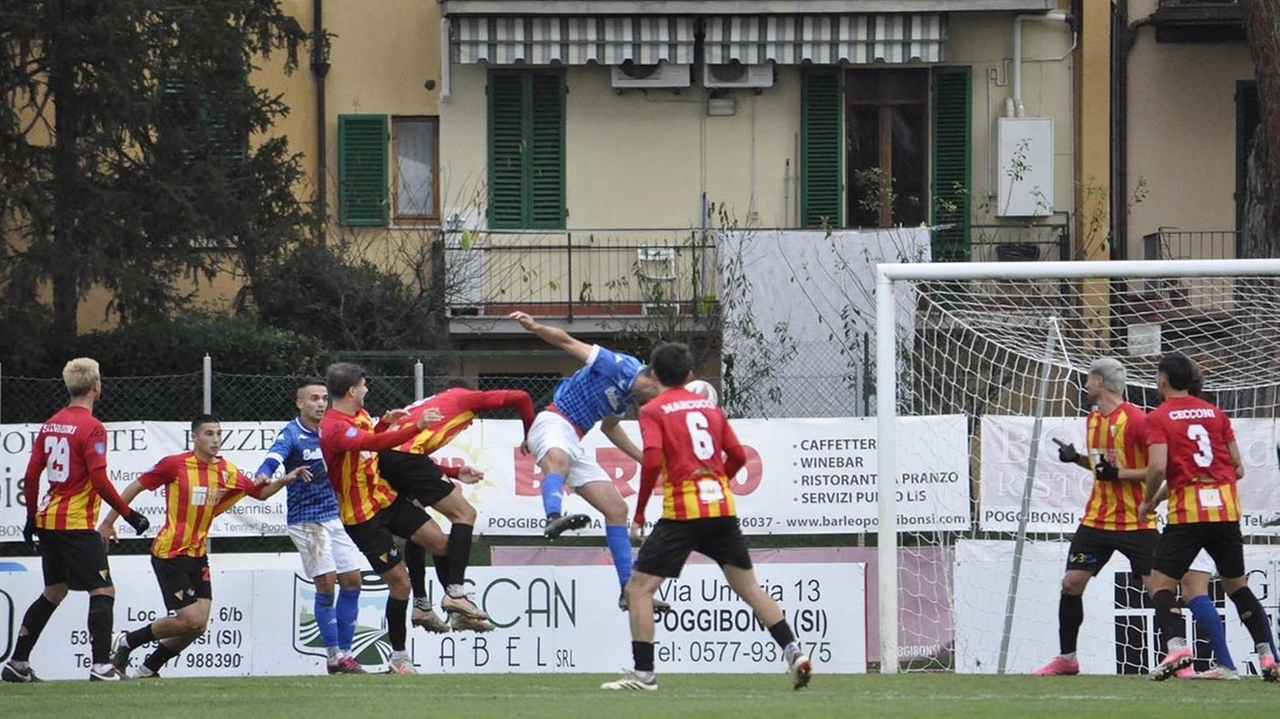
(546, 162)
(362, 169)
(821, 148)
(950, 186)
(506, 150)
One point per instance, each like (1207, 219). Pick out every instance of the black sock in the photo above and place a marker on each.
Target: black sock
(1168, 616)
(782, 633)
(642, 652)
(156, 660)
(396, 631)
(441, 562)
(1252, 615)
(140, 637)
(459, 553)
(1070, 617)
(101, 617)
(33, 621)
(415, 561)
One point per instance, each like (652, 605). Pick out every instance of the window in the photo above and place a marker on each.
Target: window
(362, 169)
(887, 147)
(526, 150)
(415, 142)
(198, 127)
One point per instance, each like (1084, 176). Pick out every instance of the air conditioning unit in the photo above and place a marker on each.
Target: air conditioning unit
(663, 74)
(735, 74)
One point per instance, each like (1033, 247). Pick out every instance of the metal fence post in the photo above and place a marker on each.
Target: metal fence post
(419, 388)
(568, 289)
(208, 384)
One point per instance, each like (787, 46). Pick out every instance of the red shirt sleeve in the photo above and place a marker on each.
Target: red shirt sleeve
(449, 470)
(1228, 434)
(735, 456)
(650, 428)
(164, 472)
(477, 401)
(650, 471)
(1155, 430)
(31, 481)
(347, 437)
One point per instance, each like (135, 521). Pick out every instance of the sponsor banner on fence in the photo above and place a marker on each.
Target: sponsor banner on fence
(803, 476)
(1059, 491)
(1118, 635)
(549, 619)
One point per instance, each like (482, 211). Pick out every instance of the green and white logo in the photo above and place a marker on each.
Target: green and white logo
(370, 645)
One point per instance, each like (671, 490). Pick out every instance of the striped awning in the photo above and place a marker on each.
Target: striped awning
(825, 39)
(573, 40)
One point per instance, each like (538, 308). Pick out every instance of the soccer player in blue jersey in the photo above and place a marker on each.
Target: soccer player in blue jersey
(328, 554)
(600, 392)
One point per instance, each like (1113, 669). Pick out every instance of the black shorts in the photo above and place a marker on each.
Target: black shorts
(1091, 548)
(1180, 543)
(182, 580)
(664, 553)
(74, 557)
(376, 537)
(416, 476)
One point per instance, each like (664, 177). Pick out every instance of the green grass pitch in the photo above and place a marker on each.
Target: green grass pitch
(686, 696)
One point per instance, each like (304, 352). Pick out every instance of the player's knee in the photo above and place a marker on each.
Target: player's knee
(466, 514)
(55, 593)
(1074, 584)
(555, 461)
(349, 580)
(324, 583)
(193, 624)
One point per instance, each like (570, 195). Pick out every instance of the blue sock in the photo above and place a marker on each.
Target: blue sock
(348, 609)
(620, 547)
(1210, 625)
(326, 619)
(552, 485)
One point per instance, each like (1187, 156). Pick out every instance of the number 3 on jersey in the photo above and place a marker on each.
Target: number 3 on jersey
(58, 465)
(704, 447)
(1204, 450)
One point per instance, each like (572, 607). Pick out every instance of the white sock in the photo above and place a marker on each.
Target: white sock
(101, 667)
(1263, 649)
(644, 676)
(334, 654)
(401, 655)
(790, 651)
(1069, 656)
(1177, 643)
(421, 603)
(20, 666)
(457, 591)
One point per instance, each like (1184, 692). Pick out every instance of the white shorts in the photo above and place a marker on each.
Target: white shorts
(1203, 563)
(325, 547)
(551, 431)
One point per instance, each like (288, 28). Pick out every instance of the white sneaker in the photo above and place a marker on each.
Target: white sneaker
(401, 664)
(429, 620)
(1218, 672)
(631, 682)
(800, 668)
(463, 623)
(462, 605)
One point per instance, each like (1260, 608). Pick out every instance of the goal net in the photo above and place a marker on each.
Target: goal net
(983, 365)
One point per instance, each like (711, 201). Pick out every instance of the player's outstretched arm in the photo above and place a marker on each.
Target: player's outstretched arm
(554, 336)
(107, 527)
(612, 428)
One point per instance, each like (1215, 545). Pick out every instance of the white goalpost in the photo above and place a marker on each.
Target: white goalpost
(1003, 348)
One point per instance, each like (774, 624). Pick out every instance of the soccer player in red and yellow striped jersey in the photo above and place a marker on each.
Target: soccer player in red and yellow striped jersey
(70, 451)
(1117, 457)
(691, 437)
(410, 471)
(1192, 449)
(199, 485)
(372, 512)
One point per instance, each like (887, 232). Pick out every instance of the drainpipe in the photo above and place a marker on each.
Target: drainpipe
(1013, 106)
(319, 69)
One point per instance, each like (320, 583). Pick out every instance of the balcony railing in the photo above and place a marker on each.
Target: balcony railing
(1019, 243)
(583, 273)
(1191, 245)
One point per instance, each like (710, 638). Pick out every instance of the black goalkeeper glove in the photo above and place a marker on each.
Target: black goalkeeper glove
(138, 521)
(1105, 471)
(1066, 452)
(29, 532)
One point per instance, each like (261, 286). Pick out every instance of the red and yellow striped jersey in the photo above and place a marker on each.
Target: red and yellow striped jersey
(1120, 437)
(350, 444)
(692, 434)
(69, 447)
(459, 407)
(1200, 472)
(196, 491)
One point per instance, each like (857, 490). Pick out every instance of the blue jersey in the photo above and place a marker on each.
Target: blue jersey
(598, 390)
(294, 447)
